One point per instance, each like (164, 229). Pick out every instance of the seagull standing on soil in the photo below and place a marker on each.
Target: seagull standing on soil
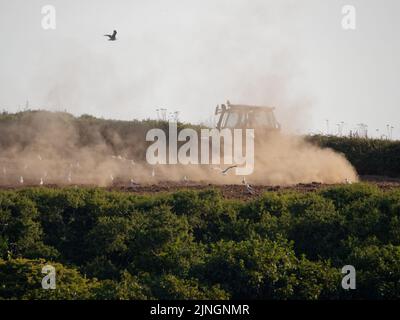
(21, 179)
(249, 188)
(133, 183)
(347, 181)
(41, 181)
(112, 37)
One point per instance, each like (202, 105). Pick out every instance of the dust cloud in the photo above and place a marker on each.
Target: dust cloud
(46, 148)
(285, 159)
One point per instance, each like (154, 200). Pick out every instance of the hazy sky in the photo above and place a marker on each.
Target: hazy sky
(190, 55)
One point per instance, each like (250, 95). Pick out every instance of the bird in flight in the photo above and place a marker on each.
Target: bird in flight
(224, 171)
(112, 37)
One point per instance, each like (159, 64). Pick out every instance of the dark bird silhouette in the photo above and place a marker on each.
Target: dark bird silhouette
(112, 37)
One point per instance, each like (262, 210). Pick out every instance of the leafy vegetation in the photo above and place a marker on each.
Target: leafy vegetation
(197, 245)
(36, 128)
(368, 156)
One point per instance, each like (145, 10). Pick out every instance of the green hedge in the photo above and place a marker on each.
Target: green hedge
(368, 156)
(186, 245)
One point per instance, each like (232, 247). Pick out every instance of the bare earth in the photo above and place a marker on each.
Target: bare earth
(229, 191)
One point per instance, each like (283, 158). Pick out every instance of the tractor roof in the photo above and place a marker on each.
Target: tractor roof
(247, 107)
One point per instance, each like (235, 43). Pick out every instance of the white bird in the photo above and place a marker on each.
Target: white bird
(133, 183)
(185, 179)
(69, 177)
(225, 171)
(111, 177)
(249, 188)
(21, 179)
(347, 181)
(41, 181)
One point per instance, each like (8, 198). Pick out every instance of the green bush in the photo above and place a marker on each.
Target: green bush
(22, 279)
(196, 244)
(368, 156)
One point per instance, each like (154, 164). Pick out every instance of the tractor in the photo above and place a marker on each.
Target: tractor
(239, 116)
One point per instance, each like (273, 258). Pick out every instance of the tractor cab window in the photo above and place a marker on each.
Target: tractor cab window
(231, 120)
(263, 119)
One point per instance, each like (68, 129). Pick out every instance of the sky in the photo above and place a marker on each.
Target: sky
(189, 56)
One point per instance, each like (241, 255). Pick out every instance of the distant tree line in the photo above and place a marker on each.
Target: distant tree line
(368, 156)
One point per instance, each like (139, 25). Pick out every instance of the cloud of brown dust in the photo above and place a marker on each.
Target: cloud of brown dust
(48, 148)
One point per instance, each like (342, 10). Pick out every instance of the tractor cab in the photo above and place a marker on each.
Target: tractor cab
(238, 116)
